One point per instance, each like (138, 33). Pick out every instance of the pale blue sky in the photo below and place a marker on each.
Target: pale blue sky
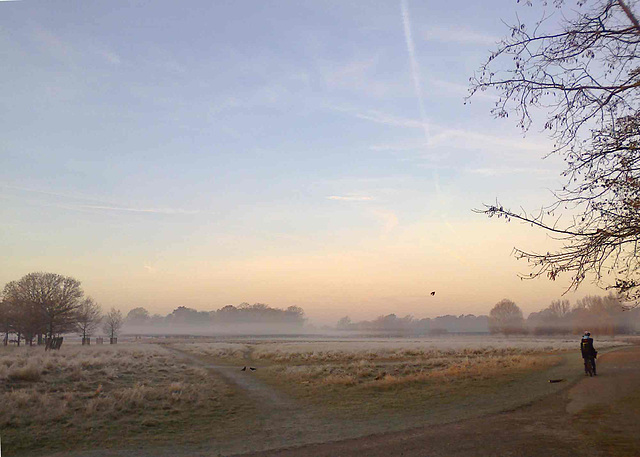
(147, 147)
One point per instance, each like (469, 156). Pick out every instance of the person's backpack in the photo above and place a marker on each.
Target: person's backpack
(586, 347)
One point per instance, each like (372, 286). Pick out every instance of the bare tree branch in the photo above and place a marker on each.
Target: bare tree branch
(586, 77)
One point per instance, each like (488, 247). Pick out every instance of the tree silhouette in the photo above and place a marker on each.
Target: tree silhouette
(584, 73)
(506, 317)
(88, 317)
(44, 302)
(112, 323)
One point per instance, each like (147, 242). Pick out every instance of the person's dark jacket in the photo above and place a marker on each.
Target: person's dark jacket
(587, 349)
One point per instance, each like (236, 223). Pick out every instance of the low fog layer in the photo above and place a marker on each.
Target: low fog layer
(602, 315)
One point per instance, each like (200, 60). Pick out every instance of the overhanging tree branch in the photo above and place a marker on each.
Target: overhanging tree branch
(587, 79)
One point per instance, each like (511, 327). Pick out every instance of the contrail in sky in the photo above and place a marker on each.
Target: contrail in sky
(415, 71)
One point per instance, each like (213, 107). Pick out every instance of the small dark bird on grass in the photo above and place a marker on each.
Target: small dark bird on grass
(244, 369)
(252, 369)
(433, 293)
(555, 380)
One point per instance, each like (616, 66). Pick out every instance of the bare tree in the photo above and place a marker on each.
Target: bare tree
(5, 321)
(88, 317)
(45, 302)
(560, 308)
(27, 320)
(584, 73)
(112, 323)
(506, 317)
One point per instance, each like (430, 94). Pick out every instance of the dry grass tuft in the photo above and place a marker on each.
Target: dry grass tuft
(339, 379)
(29, 372)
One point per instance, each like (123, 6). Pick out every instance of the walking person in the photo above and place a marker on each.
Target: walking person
(589, 353)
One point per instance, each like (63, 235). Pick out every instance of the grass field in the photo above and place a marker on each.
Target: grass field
(102, 395)
(367, 379)
(141, 395)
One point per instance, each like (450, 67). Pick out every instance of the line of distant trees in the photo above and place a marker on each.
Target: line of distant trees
(258, 313)
(40, 306)
(409, 324)
(599, 315)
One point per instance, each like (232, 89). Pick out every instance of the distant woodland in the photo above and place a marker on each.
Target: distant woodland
(599, 315)
(40, 307)
(258, 313)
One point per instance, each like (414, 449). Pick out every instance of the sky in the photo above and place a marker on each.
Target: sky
(317, 154)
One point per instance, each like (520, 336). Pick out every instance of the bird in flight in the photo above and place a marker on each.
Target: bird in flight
(252, 369)
(433, 293)
(244, 369)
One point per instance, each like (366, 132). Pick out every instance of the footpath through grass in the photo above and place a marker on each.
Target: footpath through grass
(397, 388)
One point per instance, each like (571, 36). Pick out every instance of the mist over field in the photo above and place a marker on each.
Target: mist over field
(603, 315)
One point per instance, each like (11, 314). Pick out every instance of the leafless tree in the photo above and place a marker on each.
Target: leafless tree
(5, 321)
(559, 308)
(585, 74)
(506, 317)
(88, 317)
(112, 323)
(48, 300)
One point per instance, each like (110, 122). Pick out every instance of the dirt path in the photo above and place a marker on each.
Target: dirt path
(596, 416)
(281, 420)
(245, 381)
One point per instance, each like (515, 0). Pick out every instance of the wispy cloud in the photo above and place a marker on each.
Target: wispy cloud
(362, 76)
(140, 210)
(444, 87)
(82, 202)
(48, 193)
(458, 137)
(415, 69)
(349, 74)
(403, 146)
(381, 118)
(471, 139)
(459, 36)
(350, 198)
(150, 268)
(501, 171)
